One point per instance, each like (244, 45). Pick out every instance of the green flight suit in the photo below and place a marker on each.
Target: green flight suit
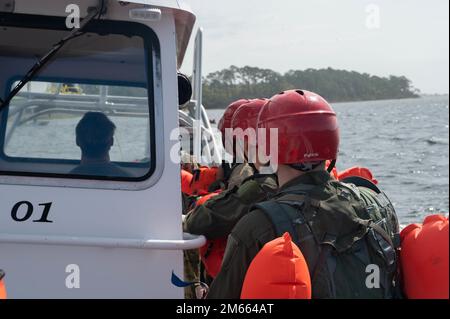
(218, 216)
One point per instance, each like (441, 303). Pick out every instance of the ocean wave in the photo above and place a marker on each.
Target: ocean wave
(437, 141)
(398, 138)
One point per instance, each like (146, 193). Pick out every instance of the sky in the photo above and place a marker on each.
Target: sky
(379, 37)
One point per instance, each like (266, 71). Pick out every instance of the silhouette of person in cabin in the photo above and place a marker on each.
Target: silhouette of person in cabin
(95, 137)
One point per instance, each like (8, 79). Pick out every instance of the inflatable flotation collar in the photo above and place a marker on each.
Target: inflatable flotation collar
(2, 285)
(357, 172)
(279, 271)
(424, 259)
(352, 172)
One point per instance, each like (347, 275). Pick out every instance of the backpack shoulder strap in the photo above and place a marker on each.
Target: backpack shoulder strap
(285, 212)
(379, 230)
(284, 217)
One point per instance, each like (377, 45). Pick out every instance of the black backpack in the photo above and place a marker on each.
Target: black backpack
(349, 236)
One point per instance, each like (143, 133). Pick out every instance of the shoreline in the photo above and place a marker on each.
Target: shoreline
(424, 96)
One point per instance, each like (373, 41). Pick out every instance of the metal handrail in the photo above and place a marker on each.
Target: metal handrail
(188, 242)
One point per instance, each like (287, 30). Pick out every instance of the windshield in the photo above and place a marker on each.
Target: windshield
(89, 112)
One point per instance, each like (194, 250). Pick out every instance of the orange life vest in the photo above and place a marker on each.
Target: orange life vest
(2, 287)
(186, 180)
(352, 172)
(357, 172)
(279, 271)
(202, 180)
(206, 198)
(424, 259)
(212, 253)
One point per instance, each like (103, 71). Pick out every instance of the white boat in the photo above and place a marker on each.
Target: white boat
(71, 235)
(70, 226)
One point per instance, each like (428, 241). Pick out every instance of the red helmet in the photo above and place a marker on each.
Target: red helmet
(225, 121)
(307, 126)
(246, 116)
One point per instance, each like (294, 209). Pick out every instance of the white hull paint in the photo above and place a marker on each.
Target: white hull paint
(92, 215)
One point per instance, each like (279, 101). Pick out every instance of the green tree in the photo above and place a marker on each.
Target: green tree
(225, 86)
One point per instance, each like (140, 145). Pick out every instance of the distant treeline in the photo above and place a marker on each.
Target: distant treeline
(223, 87)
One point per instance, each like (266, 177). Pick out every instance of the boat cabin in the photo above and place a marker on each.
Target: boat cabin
(90, 197)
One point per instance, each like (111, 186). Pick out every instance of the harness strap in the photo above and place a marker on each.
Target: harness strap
(332, 166)
(281, 220)
(379, 230)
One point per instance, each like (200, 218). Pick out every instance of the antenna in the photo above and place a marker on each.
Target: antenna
(198, 94)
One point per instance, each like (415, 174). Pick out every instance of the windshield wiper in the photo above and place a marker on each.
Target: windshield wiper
(94, 13)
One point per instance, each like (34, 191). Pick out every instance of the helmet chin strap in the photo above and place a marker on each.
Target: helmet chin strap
(332, 166)
(305, 167)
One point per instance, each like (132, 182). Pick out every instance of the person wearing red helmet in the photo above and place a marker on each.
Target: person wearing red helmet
(244, 125)
(345, 231)
(227, 118)
(232, 175)
(217, 216)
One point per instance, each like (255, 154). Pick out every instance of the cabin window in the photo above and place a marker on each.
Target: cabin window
(89, 113)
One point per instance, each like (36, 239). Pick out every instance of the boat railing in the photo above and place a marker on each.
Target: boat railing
(188, 242)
